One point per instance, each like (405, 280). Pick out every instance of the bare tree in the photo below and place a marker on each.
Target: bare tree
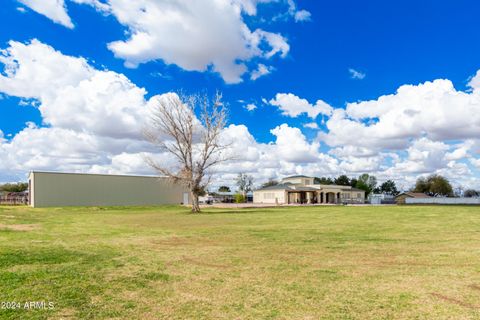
(193, 142)
(244, 183)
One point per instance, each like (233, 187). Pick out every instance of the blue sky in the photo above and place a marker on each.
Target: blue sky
(320, 46)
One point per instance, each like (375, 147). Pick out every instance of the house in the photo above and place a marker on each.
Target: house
(303, 189)
(400, 199)
(55, 189)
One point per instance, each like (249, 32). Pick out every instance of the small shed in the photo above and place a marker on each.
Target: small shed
(400, 199)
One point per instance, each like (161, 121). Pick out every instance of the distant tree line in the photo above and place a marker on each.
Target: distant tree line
(365, 182)
(14, 187)
(434, 185)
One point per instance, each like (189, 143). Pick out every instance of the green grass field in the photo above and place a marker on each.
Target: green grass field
(284, 263)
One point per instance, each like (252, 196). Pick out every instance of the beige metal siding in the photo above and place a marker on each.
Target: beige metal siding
(65, 189)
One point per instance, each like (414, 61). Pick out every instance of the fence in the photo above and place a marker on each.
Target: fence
(14, 200)
(443, 201)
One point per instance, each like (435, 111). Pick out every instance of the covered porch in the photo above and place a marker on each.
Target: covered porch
(313, 197)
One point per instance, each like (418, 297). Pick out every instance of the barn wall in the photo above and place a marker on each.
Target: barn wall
(64, 189)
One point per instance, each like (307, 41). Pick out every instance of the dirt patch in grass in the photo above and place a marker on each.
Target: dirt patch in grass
(19, 227)
(474, 286)
(454, 301)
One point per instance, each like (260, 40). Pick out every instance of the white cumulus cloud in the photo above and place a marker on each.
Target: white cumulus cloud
(435, 110)
(82, 99)
(311, 125)
(52, 9)
(261, 71)
(208, 35)
(95, 118)
(302, 15)
(293, 106)
(194, 35)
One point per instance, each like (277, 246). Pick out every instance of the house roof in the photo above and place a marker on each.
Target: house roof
(277, 187)
(353, 189)
(414, 195)
(298, 176)
(304, 189)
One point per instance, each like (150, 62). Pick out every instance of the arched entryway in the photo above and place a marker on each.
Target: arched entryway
(330, 197)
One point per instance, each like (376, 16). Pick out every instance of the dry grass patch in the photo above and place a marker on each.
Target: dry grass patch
(19, 227)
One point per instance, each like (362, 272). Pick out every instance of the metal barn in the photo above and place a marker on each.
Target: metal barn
(54, 189)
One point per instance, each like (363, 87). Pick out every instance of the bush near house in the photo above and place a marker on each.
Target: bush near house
(239, 198)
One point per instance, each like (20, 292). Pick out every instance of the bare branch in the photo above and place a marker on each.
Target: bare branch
(193, 142)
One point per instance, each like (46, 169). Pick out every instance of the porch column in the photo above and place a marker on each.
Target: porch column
(309, 197)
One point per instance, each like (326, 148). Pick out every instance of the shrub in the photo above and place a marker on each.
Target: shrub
(239, 198)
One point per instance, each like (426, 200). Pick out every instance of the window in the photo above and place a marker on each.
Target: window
(269, 195)
(359, 195)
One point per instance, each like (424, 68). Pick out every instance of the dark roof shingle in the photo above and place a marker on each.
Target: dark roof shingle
(415, 195)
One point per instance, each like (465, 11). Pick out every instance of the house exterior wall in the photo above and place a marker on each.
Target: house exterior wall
(293, 180)
(65, 189)
(317, 194)
(299, 180)
(353, 196)
(293, 197)
(269, 196)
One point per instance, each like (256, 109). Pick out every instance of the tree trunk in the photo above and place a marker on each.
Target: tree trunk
(195, 203)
